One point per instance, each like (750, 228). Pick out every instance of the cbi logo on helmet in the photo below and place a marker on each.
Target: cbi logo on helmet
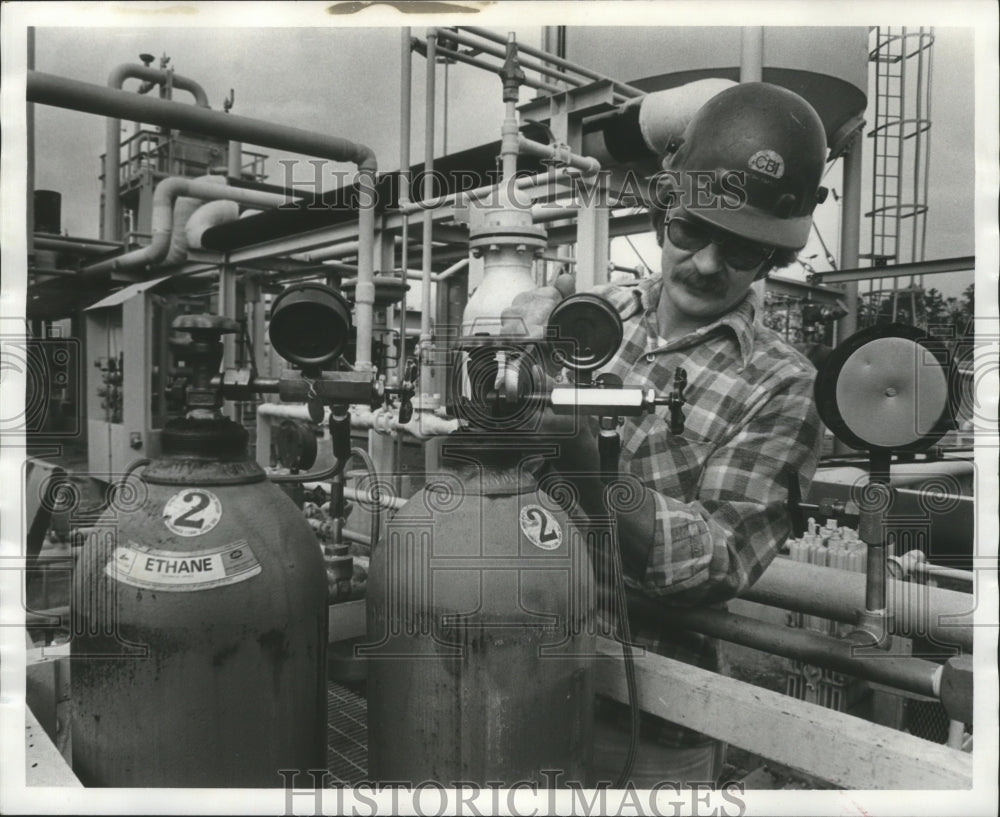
(767, 162)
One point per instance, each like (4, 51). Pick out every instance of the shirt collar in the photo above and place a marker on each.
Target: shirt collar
(644, 297)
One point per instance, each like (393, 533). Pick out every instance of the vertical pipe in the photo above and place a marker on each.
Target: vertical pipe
(405, 98)
(850, 232)
(29, 114)
(364, 296)
(235, 160)
(751, 70)
(956, 734)
(751, 54)
(428, 191)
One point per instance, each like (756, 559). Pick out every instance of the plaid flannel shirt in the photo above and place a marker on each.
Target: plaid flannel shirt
(719, 487)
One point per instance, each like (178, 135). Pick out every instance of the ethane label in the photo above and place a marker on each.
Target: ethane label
(156, 569)
(540, 527)
(192, 512)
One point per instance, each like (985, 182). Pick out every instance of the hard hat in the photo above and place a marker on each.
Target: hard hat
(759, 151)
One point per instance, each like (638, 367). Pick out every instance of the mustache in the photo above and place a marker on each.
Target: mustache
(705, 284)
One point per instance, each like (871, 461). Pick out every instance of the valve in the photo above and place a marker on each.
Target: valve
(202, 353)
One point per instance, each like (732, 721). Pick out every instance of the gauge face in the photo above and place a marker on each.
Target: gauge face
(310, 324)
(885, 388)
(587, 332)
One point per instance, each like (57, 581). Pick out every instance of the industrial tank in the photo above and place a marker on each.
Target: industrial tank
(827, 66)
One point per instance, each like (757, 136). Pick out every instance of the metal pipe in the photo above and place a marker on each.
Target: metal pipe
(79, 246)
(486, 66)
(850, 232)
(941, 616)
(164, 197)
(112, 133)
(364, 293)
(391, 502)
(61, 92)
(544, 177)
(621, 87)
(428, 192)
(751, 53)
(405, 116)
(234, 161)
(525, 62)
(588, 165)
(910, 674)
(423, 425)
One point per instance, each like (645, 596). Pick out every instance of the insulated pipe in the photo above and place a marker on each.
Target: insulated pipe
(941, 616)
(208, 216)
(112, 137)
(164, 197)
(910, 674)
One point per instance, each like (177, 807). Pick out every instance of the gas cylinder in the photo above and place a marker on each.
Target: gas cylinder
(199, 625)
(480, 640)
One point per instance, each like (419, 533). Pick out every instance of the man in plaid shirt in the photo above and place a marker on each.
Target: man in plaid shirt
(714, 512)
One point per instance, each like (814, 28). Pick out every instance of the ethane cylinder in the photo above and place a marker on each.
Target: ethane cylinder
(199, 625)
(480, 646)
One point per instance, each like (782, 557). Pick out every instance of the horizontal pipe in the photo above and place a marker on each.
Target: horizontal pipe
(942, 616)
(486, 66)
(586, 164)
(61, 92)
(905, 673)
(423, 425)
(625, 89)
(544, 177)
(523, 61)
(78, 246)
(391, 502)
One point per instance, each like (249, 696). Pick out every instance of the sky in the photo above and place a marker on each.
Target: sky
(346, 81)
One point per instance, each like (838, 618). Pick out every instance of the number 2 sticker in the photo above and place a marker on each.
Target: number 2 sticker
(540, 527)
(192, 512)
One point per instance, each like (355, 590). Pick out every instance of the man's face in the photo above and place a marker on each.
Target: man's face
(701, 284)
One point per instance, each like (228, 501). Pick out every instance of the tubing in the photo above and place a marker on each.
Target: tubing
(486, 66)
(112, 134)
(909, 674)
(942, 616)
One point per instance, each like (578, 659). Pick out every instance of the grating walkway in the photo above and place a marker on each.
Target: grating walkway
(346, 736)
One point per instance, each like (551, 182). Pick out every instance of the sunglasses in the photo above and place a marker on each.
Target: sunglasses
(739, 253)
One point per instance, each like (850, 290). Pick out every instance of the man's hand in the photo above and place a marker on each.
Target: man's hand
(529, 312)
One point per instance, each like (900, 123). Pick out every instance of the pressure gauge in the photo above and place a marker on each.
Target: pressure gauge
(586, 331)
(886, 388)
(310, 324)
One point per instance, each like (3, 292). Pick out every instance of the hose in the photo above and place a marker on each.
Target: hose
(101, 507)
(625, 636)
(318, 476)
(361, 454)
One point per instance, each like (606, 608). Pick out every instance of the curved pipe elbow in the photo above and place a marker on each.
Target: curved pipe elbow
(120, 73)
